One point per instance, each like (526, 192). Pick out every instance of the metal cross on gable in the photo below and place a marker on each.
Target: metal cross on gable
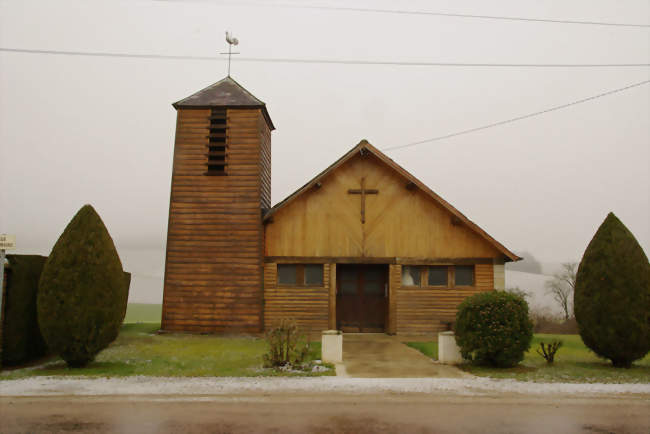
(231, 41)
(363, 191)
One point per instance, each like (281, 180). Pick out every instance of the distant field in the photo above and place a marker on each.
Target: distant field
(141, 312)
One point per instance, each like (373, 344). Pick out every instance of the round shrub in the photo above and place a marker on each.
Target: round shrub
(493, 328)
(82, 292)
(612, 295)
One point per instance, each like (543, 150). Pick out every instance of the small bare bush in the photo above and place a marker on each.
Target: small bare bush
(287, 345)
(548, 350)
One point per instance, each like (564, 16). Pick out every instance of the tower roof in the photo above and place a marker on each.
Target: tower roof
(224, 93)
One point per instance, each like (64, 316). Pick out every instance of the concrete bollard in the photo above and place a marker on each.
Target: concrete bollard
(332, 346)
(448, 351)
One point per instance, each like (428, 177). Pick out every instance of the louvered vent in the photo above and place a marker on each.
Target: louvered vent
(217, 148)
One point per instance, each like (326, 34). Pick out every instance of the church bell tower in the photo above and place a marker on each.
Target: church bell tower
(221, 184)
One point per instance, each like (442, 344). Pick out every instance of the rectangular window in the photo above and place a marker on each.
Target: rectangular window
(287, 274)
(410, 276)
(464, 275)
(438, 276)
(300, 275)
(314, 274)
(217, 161)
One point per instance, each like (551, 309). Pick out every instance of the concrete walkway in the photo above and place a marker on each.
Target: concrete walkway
(377, 355)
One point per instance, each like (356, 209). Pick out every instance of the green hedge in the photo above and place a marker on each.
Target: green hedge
(612, 295)
(82, 293)
(22, 340)
(493, 328)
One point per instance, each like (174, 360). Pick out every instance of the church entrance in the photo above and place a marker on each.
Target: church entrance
(361, 298)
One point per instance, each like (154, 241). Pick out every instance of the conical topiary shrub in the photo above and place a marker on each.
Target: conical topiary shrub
(82, 293)
(612, 295)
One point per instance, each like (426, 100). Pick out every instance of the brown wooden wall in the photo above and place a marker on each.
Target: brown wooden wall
(400, 222)
(309, 306)
(265, 162)
(213, 268)
(425, 310)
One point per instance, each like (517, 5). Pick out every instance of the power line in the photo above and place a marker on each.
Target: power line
(433, 13)
(325, 61)
(518, 118)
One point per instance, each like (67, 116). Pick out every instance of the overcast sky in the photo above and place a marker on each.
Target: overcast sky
(100, 130)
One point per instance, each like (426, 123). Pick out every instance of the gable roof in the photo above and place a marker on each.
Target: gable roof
(224, 93)
(364, 146)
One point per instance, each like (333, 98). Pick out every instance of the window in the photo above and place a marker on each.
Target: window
(446, 276)
(217, 143)
(296, 274)
(314, 274)
(464, 275)
(438, 276)
(287, 274)
(410, 276)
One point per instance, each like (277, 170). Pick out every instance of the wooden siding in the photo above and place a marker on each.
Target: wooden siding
(426, 310)
(265, 162)
(394, 283)
(213, 267)
(400, 222)
(309, 306)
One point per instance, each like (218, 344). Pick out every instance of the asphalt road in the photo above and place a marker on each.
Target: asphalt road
(325, 413)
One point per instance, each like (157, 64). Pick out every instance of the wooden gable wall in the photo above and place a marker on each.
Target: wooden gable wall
(399, 222)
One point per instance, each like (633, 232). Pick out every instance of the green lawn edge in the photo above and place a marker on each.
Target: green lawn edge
(140, 350)
(574, 363)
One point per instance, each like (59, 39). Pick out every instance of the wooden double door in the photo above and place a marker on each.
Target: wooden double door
(361, 298)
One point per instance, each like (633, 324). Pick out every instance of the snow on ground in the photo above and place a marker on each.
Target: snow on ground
(476, 386)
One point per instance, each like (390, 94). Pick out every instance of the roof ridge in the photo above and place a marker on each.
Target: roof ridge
(244, 89)
(226, 92)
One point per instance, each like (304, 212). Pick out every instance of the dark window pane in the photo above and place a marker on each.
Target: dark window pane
(286, 274)
(464, 275)
(411, 276)
(438, 276)
(314, 274)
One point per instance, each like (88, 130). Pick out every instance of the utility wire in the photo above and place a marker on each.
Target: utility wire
(431, 13)
(327, 61)
(518, 118)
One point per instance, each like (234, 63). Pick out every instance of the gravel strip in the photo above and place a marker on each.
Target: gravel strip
(51, 386)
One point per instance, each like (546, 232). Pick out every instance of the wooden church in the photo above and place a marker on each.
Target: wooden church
(362, 247)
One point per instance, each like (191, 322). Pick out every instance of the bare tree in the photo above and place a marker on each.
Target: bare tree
(561, 287)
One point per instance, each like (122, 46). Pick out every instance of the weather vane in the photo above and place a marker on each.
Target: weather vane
(231, 41)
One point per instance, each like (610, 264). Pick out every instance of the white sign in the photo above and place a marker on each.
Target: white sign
(7, 241)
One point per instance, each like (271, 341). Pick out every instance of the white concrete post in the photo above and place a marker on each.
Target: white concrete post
(448, 351)
(332, 346)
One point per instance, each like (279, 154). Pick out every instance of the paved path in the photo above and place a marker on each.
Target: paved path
(377, 355)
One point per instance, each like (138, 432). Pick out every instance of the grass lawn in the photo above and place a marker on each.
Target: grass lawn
(140, 351)
(141, 312)
(574, 363)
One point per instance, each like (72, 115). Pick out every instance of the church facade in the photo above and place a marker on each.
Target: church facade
(362, 247)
